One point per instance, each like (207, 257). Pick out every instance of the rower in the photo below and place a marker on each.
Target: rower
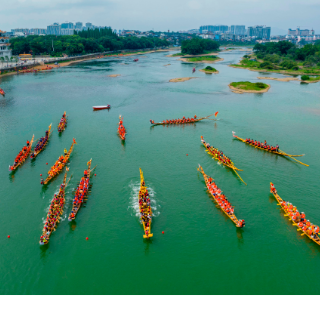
(28, 143)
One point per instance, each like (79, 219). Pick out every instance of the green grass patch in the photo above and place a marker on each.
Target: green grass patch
(247, 85)
(210, 69)
(203, 58)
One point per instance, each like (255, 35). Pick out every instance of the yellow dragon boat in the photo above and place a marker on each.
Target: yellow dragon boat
(280, 153)
(62, 161)
(213, 152)
(217, 199)
(145, 207)
(304, 226)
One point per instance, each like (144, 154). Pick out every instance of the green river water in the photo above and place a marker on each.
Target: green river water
(201, 250)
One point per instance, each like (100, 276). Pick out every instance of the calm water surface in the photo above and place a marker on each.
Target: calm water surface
(201, 251)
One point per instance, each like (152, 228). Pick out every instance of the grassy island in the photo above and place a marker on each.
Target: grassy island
(210, 70)
(250, 87)
(283, 57)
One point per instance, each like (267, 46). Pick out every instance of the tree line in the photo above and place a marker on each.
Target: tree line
(198, 46)
(76, 44)
(288, 55)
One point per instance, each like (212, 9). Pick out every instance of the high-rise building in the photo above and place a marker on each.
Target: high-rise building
(54, 29)
(38, 31)
(301, 32)
(78, 26)
(261, 32)
(89, 25)
(67, 25)
(238, 30)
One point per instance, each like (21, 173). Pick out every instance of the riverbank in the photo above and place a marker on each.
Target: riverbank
(39, 68)
(290, 79)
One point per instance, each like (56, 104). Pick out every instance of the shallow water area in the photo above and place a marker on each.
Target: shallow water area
(201, 250)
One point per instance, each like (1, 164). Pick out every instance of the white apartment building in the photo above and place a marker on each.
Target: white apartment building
(5, 51)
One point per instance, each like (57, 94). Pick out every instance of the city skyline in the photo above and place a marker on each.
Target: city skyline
(141, 16)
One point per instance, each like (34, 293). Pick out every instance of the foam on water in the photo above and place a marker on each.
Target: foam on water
(134, 203)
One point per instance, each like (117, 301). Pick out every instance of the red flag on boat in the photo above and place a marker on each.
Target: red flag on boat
(216, 114)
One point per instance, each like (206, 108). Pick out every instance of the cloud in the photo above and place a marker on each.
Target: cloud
(161, 14)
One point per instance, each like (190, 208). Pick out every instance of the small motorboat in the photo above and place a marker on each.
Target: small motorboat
(2, 92)
(135, 60)
(101, 107)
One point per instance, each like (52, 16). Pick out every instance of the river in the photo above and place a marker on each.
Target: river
(201, 251)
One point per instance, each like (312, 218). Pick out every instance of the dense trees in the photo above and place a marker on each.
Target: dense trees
(198, 46)
(82, 43)
(287, 53)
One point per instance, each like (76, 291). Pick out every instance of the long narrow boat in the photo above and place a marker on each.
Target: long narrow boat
(96, 108)
(182, 121)
(42, 144)
(121, 129)
(23, 155)
(280, 153)
(219, 199)
(59, 165)
(63, 122)
(145, 207)
(2, 92)
(216, 154)
(55, 212)
(81, 192)
(297, 219)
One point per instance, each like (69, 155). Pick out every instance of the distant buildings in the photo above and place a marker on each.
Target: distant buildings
(78, 26)
(300, 32)
(238, 30)
(4, 46)
(214, 29)
(261, 32)
(38, 31)
(54, 29)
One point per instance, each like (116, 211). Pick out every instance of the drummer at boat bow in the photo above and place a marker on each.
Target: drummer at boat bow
(262, 145)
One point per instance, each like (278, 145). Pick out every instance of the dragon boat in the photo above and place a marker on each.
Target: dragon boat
(183, 120)
(297, 219)
(81, 192)
(121, 129)
(23, 155)
(43, 145)
(220, 199)
(55, 212)
(145, 207)
(59, 165)
(280, 153)
(63, 122)
(221, 158)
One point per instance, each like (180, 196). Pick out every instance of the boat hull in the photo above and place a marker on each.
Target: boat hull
(101, 108)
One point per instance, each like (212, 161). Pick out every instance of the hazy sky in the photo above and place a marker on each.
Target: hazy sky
(161, 14)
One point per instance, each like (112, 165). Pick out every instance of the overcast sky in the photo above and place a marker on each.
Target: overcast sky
(161, 15)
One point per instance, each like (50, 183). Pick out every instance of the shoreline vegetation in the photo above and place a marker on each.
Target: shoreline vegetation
(181, 79)
(209, 70)
(283, 57)
(249, 87)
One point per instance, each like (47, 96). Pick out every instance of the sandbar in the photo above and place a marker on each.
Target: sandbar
(181, 79)
(280, 79)
(237, 90)
(114, 75)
